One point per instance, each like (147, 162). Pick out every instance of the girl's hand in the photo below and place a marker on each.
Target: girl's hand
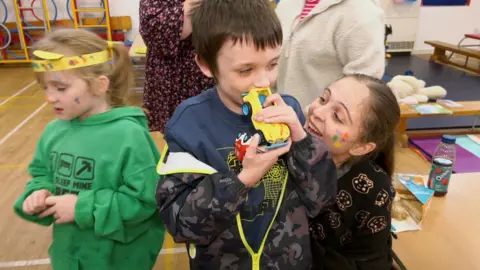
(256, 165)
(35, 203)
(282, 113)
(61, 207)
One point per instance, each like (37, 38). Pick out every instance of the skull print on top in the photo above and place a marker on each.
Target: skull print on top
(354, 233)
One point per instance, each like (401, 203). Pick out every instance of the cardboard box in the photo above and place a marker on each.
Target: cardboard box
(411, 202)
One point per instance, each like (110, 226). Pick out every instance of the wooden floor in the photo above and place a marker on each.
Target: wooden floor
(23, 115)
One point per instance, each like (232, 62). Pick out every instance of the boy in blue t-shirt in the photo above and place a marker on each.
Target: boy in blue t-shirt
(249, 214)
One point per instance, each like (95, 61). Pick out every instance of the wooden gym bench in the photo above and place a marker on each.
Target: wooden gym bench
(406, 112)
(439, 54)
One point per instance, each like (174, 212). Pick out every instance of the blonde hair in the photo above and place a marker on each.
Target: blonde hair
(79, 42)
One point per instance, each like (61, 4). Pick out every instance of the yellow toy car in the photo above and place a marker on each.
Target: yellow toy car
(273, 135)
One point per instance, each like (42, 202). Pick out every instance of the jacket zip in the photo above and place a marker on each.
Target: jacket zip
(256, 255)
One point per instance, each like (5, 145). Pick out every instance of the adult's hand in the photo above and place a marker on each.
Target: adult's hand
(187, 20)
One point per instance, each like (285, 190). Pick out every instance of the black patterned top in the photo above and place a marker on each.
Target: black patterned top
(354, 233)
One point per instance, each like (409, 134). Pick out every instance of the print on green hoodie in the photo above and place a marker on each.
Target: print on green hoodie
(108, 160)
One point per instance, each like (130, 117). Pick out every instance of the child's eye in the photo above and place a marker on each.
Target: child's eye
(322, 100)
(61, 89)
(337, 118)
(245, 71)
(273, 65)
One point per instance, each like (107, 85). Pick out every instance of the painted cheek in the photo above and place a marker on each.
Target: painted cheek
(340, 138)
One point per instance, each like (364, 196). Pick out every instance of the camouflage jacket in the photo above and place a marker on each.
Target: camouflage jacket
(205, 208)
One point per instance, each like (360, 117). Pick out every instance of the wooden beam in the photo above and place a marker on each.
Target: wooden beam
(439, 55)
(440, 132)
(469, 108)
(402, 136)
(120, 36)
(444, 60)
(442, 46)
(120, 23)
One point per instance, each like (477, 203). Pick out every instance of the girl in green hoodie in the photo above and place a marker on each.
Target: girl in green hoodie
(93, 171)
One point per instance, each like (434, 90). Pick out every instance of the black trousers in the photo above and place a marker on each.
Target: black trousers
(329, 259)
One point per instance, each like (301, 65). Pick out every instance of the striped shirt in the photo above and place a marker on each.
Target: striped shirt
(309, 5)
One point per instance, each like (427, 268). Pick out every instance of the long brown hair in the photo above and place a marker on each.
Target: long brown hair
(79, 42)
(379, 126)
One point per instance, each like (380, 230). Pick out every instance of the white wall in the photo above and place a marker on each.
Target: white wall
(128, 8)
(404, 19)
(448, 24)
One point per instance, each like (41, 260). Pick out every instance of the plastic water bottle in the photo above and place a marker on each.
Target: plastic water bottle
(442, 166)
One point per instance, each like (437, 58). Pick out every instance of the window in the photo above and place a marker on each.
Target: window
(446, 2)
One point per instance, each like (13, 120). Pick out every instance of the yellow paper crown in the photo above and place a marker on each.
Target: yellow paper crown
(55, 62)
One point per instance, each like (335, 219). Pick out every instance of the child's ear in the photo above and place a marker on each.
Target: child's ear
(203, 67)
(103, 84)
(362, 149)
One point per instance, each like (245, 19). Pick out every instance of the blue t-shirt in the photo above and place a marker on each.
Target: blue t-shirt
(204, 127)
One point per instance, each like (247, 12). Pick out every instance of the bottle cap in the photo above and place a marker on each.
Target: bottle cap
(449, 139)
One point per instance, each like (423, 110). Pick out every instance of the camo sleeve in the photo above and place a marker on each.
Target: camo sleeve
(313, 171)
(196, 208)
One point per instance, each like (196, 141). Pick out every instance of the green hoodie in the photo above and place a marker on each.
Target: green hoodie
(109, 160)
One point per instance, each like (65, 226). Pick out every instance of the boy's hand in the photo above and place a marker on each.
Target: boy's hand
(61, 207)
(282, 113)
(36, 202)
(256, 165)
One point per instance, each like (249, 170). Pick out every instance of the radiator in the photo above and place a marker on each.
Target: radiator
(404, 19)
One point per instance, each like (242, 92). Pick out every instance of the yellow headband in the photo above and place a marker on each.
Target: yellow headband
(55, 62)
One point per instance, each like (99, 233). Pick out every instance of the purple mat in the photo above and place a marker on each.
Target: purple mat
(466, 162)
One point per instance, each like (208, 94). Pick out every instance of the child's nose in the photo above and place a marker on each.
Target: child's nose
(262, 82)
(319, 113)
(49, 99)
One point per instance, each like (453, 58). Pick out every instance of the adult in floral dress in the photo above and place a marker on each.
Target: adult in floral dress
(171, 72)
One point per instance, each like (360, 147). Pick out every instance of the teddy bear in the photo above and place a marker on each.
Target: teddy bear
(410, 90)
